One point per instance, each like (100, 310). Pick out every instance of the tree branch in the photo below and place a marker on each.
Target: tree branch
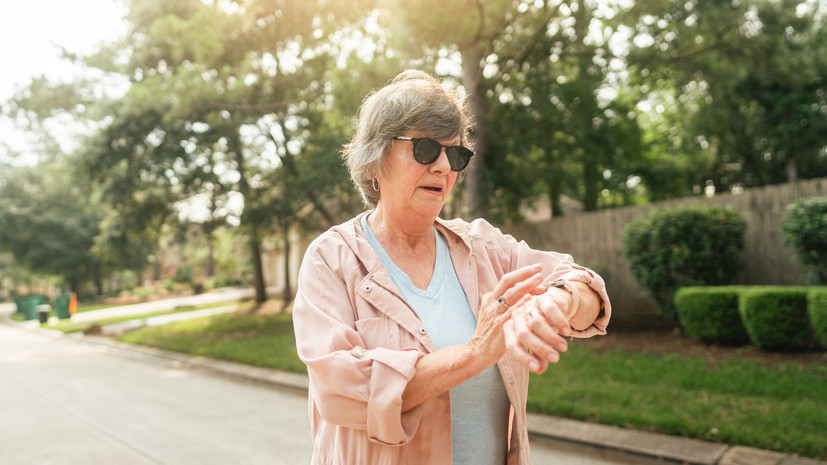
(269, 107)
(517, 59)
(287, 161)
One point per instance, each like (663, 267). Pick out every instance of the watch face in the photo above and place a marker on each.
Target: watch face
(559, 283)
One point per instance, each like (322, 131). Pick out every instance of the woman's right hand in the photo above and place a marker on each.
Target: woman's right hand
(488, 340)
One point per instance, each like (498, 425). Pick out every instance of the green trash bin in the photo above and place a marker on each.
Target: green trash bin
(21, 303)
(30, 304)
(29, 308)
(62, 306)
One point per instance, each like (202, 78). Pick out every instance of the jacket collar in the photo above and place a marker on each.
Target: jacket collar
(455, 232)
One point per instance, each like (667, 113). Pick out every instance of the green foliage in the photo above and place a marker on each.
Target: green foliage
(683, 246)
(804, 228)
(711, 314)
(817, 311)
(745, 80)
(551, 134)
(48, 222)
(776, 318)
(184, 275)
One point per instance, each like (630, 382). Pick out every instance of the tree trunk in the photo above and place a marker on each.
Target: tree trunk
(792, 170)
(287, 293)
(258, 268)
(554, 189)
(74, 284)
(792, 167)
(590, 185)
(476, 203)
(97, 277)
(210, 272)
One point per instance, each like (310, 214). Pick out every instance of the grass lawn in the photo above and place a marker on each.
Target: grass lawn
(736, 401)
(265, 341)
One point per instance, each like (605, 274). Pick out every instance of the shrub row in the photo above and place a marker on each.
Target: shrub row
(770, 317)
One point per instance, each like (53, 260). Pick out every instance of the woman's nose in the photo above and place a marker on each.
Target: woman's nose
(441, 164)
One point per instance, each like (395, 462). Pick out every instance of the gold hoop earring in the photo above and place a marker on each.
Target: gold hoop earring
(375, 184)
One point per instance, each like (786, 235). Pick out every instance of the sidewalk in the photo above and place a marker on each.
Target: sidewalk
(629, 445)
(221, 295)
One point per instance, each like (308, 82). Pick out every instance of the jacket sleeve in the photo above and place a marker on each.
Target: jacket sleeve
(351, 386)
(555, 266)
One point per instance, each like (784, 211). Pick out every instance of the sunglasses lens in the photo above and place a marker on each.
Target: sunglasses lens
(426, 151)
(458, 157)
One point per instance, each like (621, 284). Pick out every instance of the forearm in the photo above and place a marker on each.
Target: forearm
(440, 371)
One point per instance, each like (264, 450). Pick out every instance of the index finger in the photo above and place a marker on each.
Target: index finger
(519, 283)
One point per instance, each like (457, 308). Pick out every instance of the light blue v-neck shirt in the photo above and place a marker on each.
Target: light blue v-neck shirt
(479, 406)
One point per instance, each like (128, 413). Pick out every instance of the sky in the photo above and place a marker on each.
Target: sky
(31, 34)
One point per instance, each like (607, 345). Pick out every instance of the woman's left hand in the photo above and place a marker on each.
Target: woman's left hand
(534, 334)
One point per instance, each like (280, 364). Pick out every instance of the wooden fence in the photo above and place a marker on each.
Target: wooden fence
(595, 239)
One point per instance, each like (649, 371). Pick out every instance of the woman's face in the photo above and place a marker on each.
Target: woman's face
(412, 188)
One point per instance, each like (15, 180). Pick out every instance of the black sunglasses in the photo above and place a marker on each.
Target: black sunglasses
(426, 151)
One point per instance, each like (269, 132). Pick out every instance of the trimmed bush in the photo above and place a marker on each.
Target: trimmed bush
(817, 310)
(684, 246)
(776, 317)
(711, 314)
(804, 228)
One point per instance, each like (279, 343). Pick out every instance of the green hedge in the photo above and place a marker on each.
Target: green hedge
(817, 310)
(711, 314)
(776, 317)
(683, 246)
(804, 229)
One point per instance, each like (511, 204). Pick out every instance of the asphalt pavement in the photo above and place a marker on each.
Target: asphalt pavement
(552, 435)
(66, 402)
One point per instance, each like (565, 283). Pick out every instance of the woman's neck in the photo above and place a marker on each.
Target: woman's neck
(411, 235)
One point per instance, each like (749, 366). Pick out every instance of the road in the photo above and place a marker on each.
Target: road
(65, 401)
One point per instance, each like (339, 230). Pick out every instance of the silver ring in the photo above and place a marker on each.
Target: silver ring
(501, 301)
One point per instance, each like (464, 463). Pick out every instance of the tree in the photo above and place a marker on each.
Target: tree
(558, 132)
(221, 97)
(48, 222)
(753, 72)
(473, 31)
(523, 65)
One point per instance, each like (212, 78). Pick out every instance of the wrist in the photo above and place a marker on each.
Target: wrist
(478, 355)
(574, 295)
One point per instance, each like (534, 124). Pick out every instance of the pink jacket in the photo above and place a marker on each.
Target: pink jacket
(361, 341)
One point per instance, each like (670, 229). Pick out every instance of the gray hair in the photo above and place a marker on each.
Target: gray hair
(413, 101)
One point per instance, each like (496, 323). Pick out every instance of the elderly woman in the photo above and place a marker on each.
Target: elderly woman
(419, 333)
